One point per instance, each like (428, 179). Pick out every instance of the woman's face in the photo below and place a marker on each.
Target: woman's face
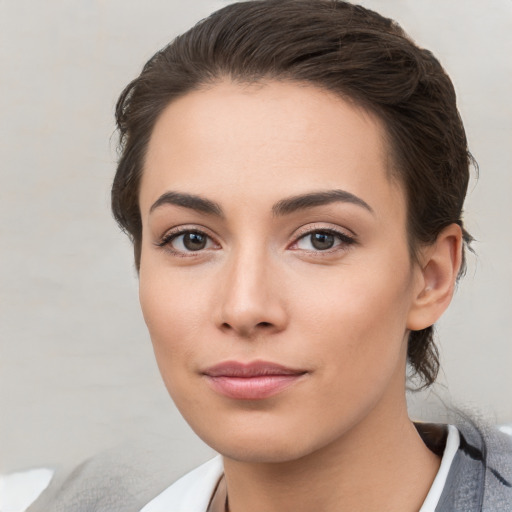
(275, 275)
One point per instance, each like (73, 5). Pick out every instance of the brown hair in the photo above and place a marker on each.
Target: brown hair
(344, 48)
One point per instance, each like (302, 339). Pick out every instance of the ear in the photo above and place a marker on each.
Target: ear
(437, 275)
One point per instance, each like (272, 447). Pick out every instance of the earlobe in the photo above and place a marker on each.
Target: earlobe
(438, 273)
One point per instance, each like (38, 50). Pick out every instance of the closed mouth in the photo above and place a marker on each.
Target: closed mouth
(256, 380)
(250, 370)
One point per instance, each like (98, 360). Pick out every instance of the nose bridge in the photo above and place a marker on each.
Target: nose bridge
(250, 300)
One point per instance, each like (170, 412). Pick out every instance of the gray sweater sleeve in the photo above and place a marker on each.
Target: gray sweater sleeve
(120, 480)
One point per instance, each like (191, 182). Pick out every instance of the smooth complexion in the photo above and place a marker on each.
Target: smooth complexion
(274, 237)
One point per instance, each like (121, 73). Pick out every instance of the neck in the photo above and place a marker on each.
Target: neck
(379, 465)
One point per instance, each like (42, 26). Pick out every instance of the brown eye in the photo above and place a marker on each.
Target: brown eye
(194, 241)
(322, 241)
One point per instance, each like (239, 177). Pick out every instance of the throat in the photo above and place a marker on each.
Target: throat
(385, 475)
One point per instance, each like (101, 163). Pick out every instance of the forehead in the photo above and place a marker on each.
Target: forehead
(267, 140)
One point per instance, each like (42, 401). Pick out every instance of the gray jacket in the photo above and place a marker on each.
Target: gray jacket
(480, 478)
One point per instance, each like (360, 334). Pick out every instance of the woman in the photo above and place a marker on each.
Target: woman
(292, 176)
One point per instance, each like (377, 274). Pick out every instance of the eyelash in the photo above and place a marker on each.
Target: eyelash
(345, 241)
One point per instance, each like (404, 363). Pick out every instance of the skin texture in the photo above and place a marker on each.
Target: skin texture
(339, 437)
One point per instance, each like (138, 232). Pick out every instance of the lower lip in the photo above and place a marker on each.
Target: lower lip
(252, 388)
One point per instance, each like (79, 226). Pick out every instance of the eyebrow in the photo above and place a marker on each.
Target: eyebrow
(281, 208)
(311, 200)
(190, 201)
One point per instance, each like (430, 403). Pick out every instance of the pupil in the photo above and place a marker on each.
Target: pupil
(194, 241)
(322, 241)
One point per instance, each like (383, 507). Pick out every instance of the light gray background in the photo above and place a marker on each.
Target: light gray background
(76, 367)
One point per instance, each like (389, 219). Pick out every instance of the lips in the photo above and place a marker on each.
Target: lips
(251, 381)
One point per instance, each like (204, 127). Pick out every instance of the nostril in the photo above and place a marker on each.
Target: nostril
(226, 326)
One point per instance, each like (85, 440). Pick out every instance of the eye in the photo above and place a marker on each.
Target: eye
(191, 241)
(186, 241)
(322, 240)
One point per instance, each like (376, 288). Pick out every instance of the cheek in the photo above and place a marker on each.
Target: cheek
(356, 320)
(355, 336)
(174, 313)
(176, 309)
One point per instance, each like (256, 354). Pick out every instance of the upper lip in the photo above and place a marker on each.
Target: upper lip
(251, 369)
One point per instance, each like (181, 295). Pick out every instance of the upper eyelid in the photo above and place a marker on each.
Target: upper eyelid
(186, 228)
(314, 227)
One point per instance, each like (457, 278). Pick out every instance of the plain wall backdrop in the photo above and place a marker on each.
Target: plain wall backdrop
(76, 366)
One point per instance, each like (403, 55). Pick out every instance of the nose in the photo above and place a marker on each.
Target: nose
(250, 301)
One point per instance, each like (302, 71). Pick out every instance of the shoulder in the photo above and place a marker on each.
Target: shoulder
(121, 480)
(480, 477)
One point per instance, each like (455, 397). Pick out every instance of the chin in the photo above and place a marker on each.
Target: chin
(262, 452)
(255, 442)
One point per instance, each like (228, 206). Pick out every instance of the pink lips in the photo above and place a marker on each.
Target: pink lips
(252, 381)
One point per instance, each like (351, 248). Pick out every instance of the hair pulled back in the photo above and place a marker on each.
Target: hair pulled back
(344, 48)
